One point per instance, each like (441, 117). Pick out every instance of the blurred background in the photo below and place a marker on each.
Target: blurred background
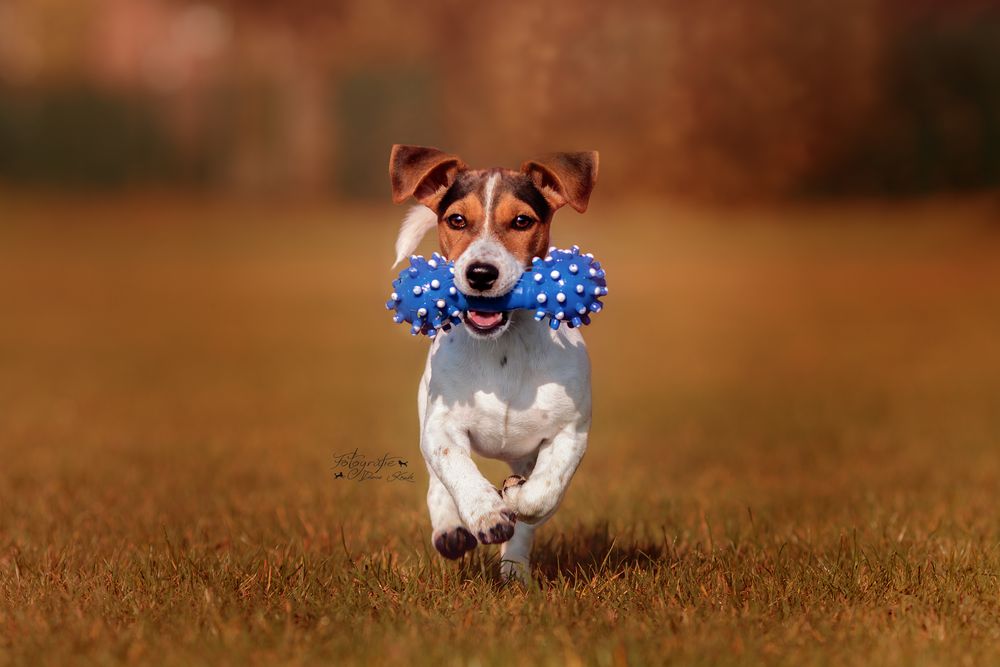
(798, 209)
(717, 99)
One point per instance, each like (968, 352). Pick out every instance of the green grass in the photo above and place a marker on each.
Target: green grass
(796, 462)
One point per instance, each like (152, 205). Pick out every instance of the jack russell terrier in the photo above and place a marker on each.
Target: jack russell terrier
(502, 385)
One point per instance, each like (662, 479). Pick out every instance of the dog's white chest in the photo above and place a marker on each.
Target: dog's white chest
(508, 395)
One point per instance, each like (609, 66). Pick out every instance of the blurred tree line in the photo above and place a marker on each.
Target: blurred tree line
(720, 99)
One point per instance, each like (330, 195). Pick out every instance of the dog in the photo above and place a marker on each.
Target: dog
(500, 385)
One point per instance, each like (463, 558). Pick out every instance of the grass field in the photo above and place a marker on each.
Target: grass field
(796, 461)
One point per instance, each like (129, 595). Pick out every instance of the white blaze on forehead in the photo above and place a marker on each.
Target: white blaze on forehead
(489, 194)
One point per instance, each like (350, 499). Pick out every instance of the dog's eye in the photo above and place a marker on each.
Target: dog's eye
(522, 222)
(456, 221)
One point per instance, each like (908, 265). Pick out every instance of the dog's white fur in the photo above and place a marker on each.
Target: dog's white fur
(521, 396)
(418, 221)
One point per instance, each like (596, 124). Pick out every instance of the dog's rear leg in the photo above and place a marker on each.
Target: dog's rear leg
(515, 554)
(450, 537)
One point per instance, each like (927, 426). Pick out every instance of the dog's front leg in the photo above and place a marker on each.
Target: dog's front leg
(536, 498)
(447, 450)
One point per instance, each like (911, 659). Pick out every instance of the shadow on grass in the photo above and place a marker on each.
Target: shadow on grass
(580, 552)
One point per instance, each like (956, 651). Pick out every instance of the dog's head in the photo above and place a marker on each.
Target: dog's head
(491, 222)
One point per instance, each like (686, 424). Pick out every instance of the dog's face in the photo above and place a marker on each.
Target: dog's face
(491, 222)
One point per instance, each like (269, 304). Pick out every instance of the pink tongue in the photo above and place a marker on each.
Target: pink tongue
(484, 320)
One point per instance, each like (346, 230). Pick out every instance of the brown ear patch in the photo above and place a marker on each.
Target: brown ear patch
(421, 172)
(565, 178)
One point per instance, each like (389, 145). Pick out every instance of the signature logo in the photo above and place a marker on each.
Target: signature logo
(356, 467)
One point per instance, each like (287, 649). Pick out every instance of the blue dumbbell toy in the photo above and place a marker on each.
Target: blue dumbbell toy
(564, 286)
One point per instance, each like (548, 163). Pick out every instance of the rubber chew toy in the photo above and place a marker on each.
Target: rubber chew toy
(564, 286)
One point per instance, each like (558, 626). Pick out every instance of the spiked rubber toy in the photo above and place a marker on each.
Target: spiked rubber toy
(564, 287)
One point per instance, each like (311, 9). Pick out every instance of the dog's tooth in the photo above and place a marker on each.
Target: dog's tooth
(541, 298)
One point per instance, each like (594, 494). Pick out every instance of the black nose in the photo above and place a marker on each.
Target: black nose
(482, 276)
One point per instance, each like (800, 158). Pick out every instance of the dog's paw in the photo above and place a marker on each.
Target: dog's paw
(513, 481)
(515, 571)
(527, 507)
(454, 543)
(510, 491)
(495, 526)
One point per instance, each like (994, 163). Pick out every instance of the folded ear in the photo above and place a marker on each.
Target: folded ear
(424, 173)
(564, 178)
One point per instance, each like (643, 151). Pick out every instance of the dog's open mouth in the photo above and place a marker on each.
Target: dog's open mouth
(484, 323)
